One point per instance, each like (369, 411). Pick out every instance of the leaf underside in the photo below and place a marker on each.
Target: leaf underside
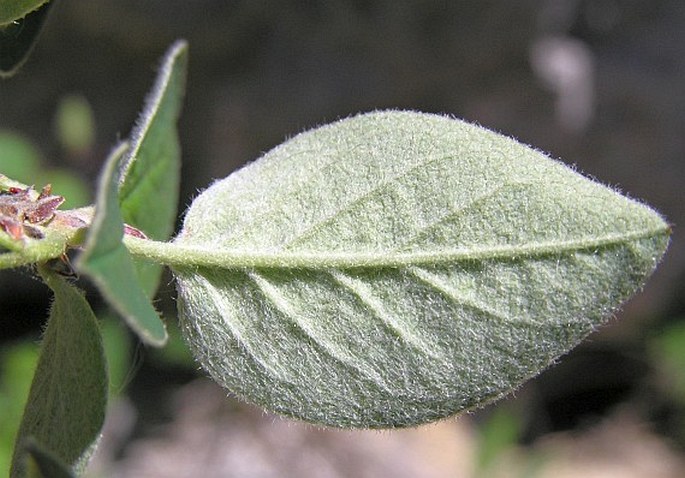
(419, 266)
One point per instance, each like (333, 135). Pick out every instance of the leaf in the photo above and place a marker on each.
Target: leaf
(148, 193)
(107, 262)
(20, 24)
(396, 268)
(66, 406)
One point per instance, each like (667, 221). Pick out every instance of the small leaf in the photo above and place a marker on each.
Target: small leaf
(396, 268)
(107, 262)
(66, 406)
(20, 24)
(148, 193)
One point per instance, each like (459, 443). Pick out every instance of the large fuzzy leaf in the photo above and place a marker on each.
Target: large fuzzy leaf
(395, 268)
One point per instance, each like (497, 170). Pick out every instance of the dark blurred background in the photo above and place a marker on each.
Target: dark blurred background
(598, 83)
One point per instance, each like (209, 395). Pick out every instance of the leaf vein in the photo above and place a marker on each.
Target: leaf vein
(222, 304)
(435, 282)
(455, 213)
(373, 305)
(283, 305)
(301, 235)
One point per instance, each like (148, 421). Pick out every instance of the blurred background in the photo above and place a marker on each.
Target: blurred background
(598, 83)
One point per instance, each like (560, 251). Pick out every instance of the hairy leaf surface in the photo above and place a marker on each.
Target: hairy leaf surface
(396, 268)
(66, 406)
(148, 193)
(108, 263)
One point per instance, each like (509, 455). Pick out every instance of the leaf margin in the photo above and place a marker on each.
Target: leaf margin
(190, 257)
(32, 427)
(104, 243)
(150, 179)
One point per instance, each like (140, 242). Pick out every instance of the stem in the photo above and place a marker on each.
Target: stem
(36, 251)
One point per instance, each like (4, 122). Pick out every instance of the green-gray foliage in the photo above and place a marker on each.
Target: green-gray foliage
(150, 179)
(396, 268)
(139, 186)
(383, 271)
(66, 405)
(108, 263)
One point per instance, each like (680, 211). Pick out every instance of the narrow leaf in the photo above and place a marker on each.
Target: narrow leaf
(107, 262)
(20, 24)
(396, 268)
(66, 406)
(148, 193)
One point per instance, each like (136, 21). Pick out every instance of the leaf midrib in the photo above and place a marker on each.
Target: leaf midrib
(184, 256)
